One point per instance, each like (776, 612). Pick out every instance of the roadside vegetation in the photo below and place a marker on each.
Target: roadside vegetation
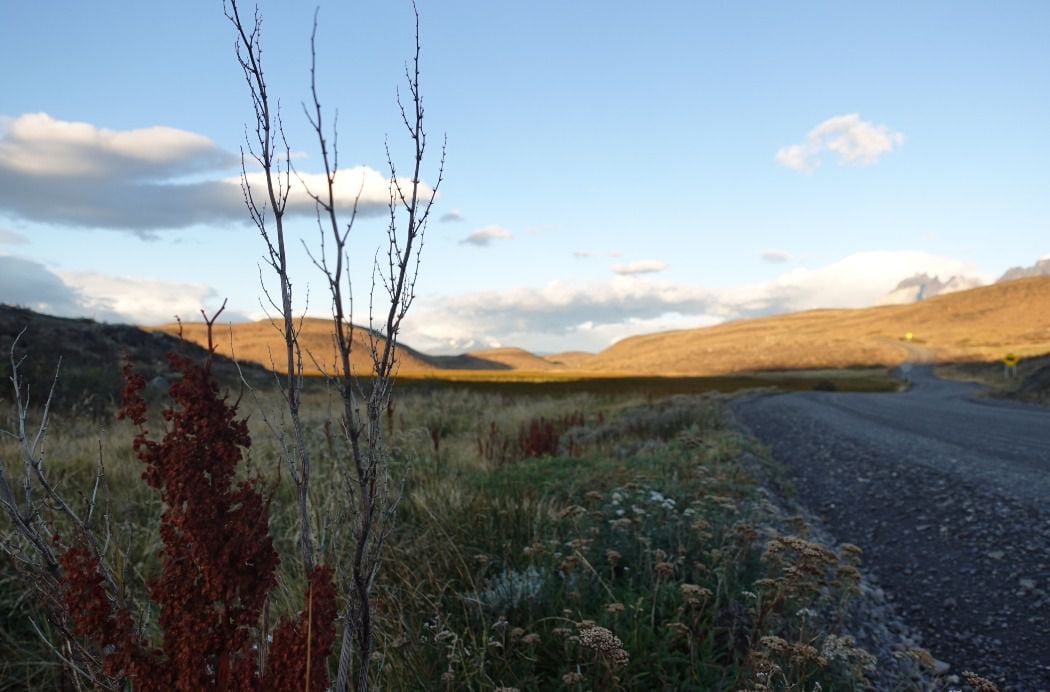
(1028, 381)
(572, 541)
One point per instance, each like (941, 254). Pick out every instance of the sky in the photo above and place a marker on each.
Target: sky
(613, 167)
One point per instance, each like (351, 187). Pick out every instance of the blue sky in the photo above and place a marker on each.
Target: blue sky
(613, 167)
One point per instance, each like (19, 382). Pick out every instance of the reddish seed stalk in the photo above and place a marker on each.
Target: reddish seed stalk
(218, 562)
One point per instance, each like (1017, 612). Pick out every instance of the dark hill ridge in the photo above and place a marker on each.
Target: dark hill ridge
(92, 356)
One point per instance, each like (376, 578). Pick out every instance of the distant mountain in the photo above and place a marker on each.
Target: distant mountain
(923, 286)
(1040, 268)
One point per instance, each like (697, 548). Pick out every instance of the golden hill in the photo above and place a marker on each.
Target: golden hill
(516, 359)
(570, 359)
(979, 324)
(261, 342)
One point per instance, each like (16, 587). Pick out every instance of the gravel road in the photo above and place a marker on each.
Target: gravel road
(948, 494)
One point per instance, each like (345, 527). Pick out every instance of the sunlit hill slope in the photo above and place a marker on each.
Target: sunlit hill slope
(979, 324)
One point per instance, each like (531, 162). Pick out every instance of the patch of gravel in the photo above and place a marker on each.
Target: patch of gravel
(872, 618)
(957, 567)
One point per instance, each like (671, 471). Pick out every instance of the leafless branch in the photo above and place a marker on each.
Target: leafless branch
(364, 469)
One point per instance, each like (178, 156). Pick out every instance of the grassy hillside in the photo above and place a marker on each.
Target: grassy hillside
(979, 324)
(261, 342)
(91, 354)
(517, 359)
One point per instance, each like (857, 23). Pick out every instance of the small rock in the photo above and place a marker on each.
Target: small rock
(996, 554)
(941, 667)
(1027, 584)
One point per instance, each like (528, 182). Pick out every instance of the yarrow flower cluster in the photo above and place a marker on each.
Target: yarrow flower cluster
(603, 642)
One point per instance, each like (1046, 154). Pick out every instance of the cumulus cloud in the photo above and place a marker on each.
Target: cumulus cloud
(37, 144)
(569, 315)
(143, 180)
(775, 256)
(857, 143)
(858, 280)
(12, 238)
(484, 236)
(452, 215)
(144, 300)
(561, 315)
(32, 285)
(640, 267)
(369, 187)
(136, 300)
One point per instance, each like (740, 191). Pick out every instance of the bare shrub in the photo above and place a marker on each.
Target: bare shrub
(363, 457)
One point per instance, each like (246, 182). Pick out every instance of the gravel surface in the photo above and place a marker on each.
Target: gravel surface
(948, 495)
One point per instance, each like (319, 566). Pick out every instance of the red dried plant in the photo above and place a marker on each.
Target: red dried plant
(540, 438)
(543, 436)
(217, 565)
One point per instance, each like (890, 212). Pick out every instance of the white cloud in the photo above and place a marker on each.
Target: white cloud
(32, 285)
(609, 333)
(857, 143)
(452, 215)
(144, 300)
(12, 238)
(138, 300)
(144, 180)
(484, 236)
(560, 315)
(775, 256)
(857, 280)
(640, 267)
(565, 315)
(38, 145)
(368, 186)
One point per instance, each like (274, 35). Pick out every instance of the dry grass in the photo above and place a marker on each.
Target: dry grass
(639, 556)
(1030, 381)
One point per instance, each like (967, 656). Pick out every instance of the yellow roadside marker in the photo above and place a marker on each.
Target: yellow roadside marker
(1010, 361)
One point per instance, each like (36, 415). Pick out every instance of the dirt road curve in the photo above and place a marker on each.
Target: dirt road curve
(949, 496)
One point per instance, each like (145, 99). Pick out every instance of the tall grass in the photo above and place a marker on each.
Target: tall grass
(636, 553)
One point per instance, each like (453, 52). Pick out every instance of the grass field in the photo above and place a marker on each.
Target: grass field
(563, 534)
(544, 383)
